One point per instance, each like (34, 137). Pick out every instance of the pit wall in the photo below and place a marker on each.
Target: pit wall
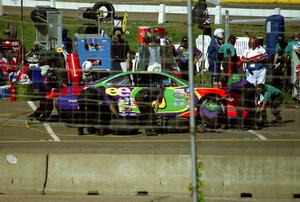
(224, 176)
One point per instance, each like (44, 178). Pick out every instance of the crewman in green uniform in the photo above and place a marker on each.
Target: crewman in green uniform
(272, 97)
(230, 59)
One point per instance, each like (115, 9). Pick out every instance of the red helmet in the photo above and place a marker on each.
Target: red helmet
(160, 30)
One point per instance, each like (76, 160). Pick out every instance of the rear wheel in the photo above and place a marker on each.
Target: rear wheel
(211, 112)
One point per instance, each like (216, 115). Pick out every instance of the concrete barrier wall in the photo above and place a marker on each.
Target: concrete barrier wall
(261, 176)
(22, 173)
(118, 174)
(224, 176)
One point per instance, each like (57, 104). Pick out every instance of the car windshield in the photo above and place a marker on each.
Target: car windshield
(124, 80)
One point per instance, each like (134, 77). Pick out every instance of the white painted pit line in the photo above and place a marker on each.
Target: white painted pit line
(46, 125)
(260, 136)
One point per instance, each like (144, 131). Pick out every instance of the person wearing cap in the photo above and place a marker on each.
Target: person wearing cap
(214, 57)
(229, 59)
(145, 99)
(182, 53)
(120, 52)
(244, 91)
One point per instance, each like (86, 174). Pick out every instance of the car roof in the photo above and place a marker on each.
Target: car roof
(182, 82)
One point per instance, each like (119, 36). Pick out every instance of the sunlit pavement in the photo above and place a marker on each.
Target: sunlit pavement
(15, 127)
(18, 135)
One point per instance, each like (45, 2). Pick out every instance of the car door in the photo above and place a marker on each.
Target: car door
(176, 97)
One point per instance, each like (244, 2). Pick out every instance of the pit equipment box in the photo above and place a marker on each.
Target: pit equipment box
(95, 48)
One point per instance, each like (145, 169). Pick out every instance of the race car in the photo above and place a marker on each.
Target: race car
(174, 108)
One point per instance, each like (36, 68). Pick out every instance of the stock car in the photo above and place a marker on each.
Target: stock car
(174, 108)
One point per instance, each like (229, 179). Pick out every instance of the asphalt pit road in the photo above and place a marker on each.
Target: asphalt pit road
(296, 196)
(246, 195)
(142, 193)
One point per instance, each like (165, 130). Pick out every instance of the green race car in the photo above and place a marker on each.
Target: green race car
(123, 87)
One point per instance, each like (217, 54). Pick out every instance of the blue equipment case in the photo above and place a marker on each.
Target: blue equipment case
(95, 48)
(274, 29)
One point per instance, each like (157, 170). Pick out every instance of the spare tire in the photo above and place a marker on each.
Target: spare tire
(107, 9)
(211, 114)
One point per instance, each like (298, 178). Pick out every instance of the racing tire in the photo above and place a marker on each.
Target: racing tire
(211, 114)
(109, 9)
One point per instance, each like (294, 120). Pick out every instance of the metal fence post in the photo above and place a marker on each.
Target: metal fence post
(192, 105)
(218, 15)
(161, 14)
(227, 25)
(52, 3)
(1, 8)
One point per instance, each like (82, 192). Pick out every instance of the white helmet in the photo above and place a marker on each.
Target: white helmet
(87, 67)
(219, 33)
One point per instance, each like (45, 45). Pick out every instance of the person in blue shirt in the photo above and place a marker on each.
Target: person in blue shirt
(214, 57)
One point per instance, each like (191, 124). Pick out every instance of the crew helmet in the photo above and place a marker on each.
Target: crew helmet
(87, 67)
(219, 33)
